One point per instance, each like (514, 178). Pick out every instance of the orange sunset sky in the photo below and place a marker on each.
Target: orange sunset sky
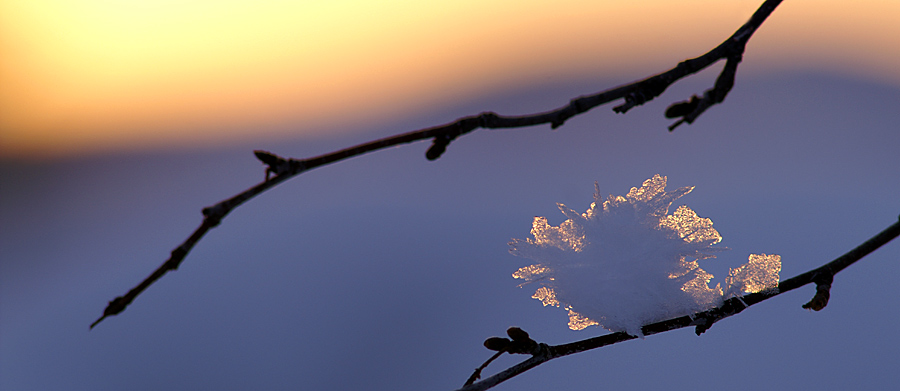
(81, 77)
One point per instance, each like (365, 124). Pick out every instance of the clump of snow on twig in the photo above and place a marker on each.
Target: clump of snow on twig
(627, 262)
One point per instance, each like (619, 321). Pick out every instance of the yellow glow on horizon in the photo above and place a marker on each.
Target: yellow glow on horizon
(88, 75)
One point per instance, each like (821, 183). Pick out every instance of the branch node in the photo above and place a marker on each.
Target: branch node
(477, 374)
(578, 105)
(690, 110)
(177, 255)
(823, 292)
(518, 343)
(297, 166)
(521, 342)
(213, 215)
(487, 119)
(728, 308)
(624, 107)
(460, 127)
(643, 92)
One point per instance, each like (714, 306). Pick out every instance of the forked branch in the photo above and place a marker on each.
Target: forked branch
(634, 94)
(702, 321)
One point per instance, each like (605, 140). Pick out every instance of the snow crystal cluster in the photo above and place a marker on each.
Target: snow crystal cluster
(627, 262)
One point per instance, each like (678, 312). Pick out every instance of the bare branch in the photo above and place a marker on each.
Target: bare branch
(634, 94)
(702, 321)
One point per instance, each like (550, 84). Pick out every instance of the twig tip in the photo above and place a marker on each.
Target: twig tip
(97, 322)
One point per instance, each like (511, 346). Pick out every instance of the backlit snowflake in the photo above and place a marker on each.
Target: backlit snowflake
(626, 262)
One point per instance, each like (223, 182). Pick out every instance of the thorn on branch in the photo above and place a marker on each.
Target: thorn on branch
(702, 324)
(559, 119)
(439, 146)
(728, 308)
(497, 344)
(275, 164)
(462, 126)
(823, 292)
(114, 307)
(632, 99)
(683, 108)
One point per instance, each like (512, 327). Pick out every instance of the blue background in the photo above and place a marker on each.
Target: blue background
(388, 271)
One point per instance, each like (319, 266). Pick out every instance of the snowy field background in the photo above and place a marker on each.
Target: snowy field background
(388, 271)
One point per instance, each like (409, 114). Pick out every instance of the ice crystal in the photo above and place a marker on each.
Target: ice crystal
(757, 275)
(627, 262)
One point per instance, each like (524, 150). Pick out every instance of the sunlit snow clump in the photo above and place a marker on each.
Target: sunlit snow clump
(626, 262)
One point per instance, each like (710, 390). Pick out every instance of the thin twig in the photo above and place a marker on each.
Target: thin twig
(702, 321)
(634, 94)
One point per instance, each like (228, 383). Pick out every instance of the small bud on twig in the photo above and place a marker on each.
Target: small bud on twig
(498, 344)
